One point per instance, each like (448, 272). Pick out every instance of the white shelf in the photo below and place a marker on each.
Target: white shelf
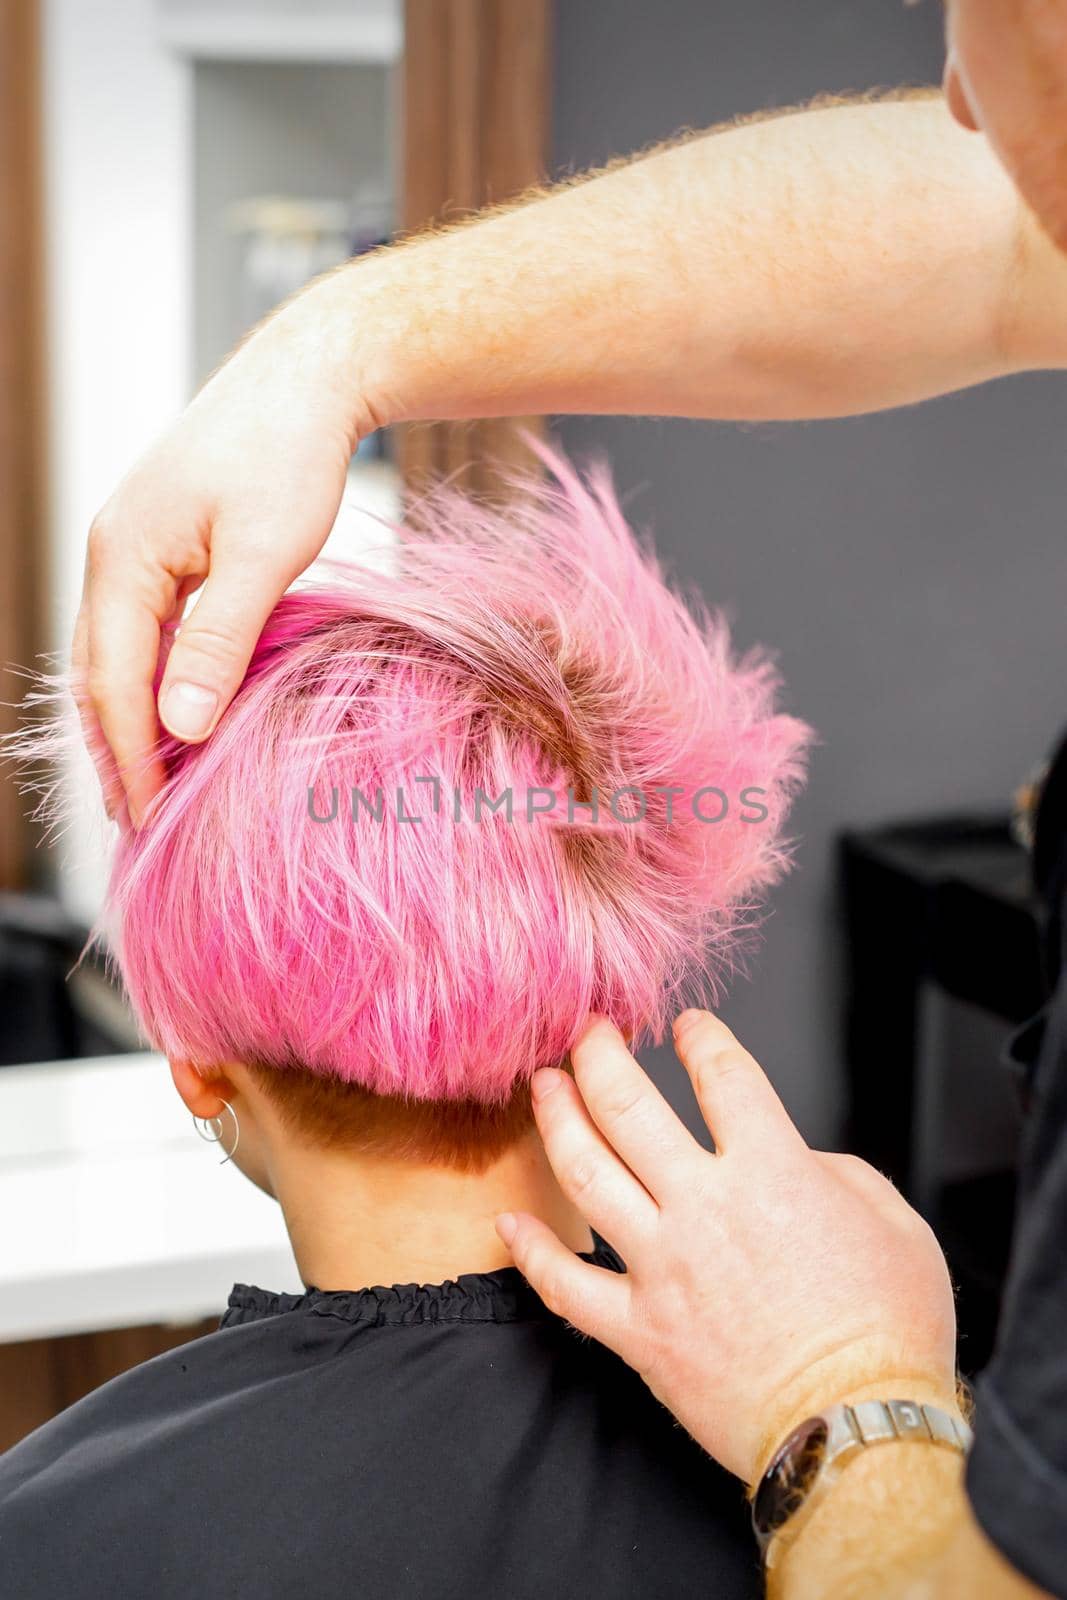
(362, 535)
(113, 1214)
(367, 30)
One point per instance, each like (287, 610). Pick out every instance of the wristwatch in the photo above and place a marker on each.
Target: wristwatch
(817, 1452)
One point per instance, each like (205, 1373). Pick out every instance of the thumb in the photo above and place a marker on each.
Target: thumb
(212, 649)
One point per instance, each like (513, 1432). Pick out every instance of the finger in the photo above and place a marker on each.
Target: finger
(123, 648)
(92, 733)
(214, 646)
(594, 1299)
(589, 1172)
(734, 1093)
(630, 1112)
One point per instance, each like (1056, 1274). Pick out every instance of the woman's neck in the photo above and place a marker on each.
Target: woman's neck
(358, 1220)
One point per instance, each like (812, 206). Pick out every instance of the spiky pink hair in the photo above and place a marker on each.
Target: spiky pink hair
(535, 646)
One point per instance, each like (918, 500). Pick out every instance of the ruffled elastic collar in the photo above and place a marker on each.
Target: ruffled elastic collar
(502, 1296)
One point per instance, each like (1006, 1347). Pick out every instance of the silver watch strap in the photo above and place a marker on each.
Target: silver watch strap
(851, 1429)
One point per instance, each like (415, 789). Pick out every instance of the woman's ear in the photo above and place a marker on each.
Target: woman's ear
(204, 1097)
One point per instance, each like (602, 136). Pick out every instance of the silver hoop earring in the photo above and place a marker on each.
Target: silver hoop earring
(210, 1130)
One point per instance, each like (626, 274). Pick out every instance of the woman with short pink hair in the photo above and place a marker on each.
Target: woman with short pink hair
(455, 808)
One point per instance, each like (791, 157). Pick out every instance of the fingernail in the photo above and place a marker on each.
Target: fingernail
(507, 1227)
(187, 710)
(546, 1080)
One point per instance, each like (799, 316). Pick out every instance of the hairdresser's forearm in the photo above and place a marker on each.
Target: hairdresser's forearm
(897, 1526)
(825, 262)
(828, 262)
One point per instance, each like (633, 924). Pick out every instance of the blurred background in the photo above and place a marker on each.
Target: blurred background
(169, 170)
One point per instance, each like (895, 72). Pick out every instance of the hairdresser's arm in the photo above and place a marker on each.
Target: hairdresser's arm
(818, 263)
(764, 1283)
(897, 1526)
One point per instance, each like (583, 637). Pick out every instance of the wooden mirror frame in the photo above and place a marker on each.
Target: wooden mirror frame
(23, 423)
(475, 101)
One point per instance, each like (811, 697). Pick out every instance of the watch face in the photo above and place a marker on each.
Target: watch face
(785, 1484)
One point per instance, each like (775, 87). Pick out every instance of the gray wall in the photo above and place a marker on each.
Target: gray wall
(910, 569)
(306, 131)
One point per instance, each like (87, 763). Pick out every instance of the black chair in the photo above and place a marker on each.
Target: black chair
(935, 909)
(45, 1013)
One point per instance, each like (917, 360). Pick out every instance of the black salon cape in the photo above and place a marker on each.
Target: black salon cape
(434, 1443)
(1017, 1470)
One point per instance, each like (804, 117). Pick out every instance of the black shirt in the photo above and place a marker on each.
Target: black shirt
(432, 1443)
(1017, 1470)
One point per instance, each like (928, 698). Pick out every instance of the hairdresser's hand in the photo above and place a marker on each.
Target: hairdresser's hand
(240, 495)
(763, 1282)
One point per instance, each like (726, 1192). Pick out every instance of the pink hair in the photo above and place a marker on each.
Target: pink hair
(531, 646)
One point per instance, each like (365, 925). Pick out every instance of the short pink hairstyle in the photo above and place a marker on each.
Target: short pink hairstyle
(533, 649)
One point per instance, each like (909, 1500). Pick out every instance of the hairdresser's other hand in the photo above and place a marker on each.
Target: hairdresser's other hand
(764, 1281)
(239, 496)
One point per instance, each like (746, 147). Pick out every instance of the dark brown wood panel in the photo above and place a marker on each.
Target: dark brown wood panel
(22, 407)
(475, 131)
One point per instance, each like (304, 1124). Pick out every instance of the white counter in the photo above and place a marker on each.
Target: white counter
(113, 1213)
